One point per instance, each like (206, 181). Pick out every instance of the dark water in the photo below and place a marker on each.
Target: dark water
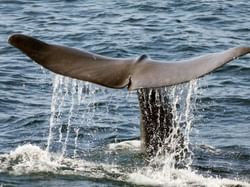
(220, 137)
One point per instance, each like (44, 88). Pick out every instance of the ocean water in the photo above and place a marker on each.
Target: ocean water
(56, 131)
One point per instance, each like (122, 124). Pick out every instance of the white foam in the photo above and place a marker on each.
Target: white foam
(134, 145)
(179, 178)
(30, 159)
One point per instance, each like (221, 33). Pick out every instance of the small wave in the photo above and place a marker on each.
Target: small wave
(234, 68)
(207, 19)
(133, 20)
(209, 149)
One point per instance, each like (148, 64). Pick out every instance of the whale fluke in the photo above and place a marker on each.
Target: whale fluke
(141, 73)
(134, 73)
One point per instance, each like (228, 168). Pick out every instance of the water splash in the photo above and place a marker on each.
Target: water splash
(30, 159)
(66, 99)
(73, 106)
(176, 151)
(162, 170)
(68, 96)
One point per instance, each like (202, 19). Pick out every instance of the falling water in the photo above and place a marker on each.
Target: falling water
(69, 122)
(70, 92)
(72, 108)
(65, 91)
(55, 107)
(162, 167)
(66, 106)
(76, 138)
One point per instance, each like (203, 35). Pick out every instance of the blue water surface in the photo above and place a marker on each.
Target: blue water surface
(165, 30)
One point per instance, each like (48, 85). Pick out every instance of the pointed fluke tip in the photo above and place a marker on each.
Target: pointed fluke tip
(26, 44)
(14, 39)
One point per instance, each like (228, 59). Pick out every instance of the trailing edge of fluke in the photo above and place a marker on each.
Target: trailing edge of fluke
(134, 73)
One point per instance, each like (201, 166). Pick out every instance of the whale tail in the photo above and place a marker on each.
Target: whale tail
(134, 73)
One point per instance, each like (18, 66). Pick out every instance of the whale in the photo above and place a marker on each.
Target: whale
(143, 74)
